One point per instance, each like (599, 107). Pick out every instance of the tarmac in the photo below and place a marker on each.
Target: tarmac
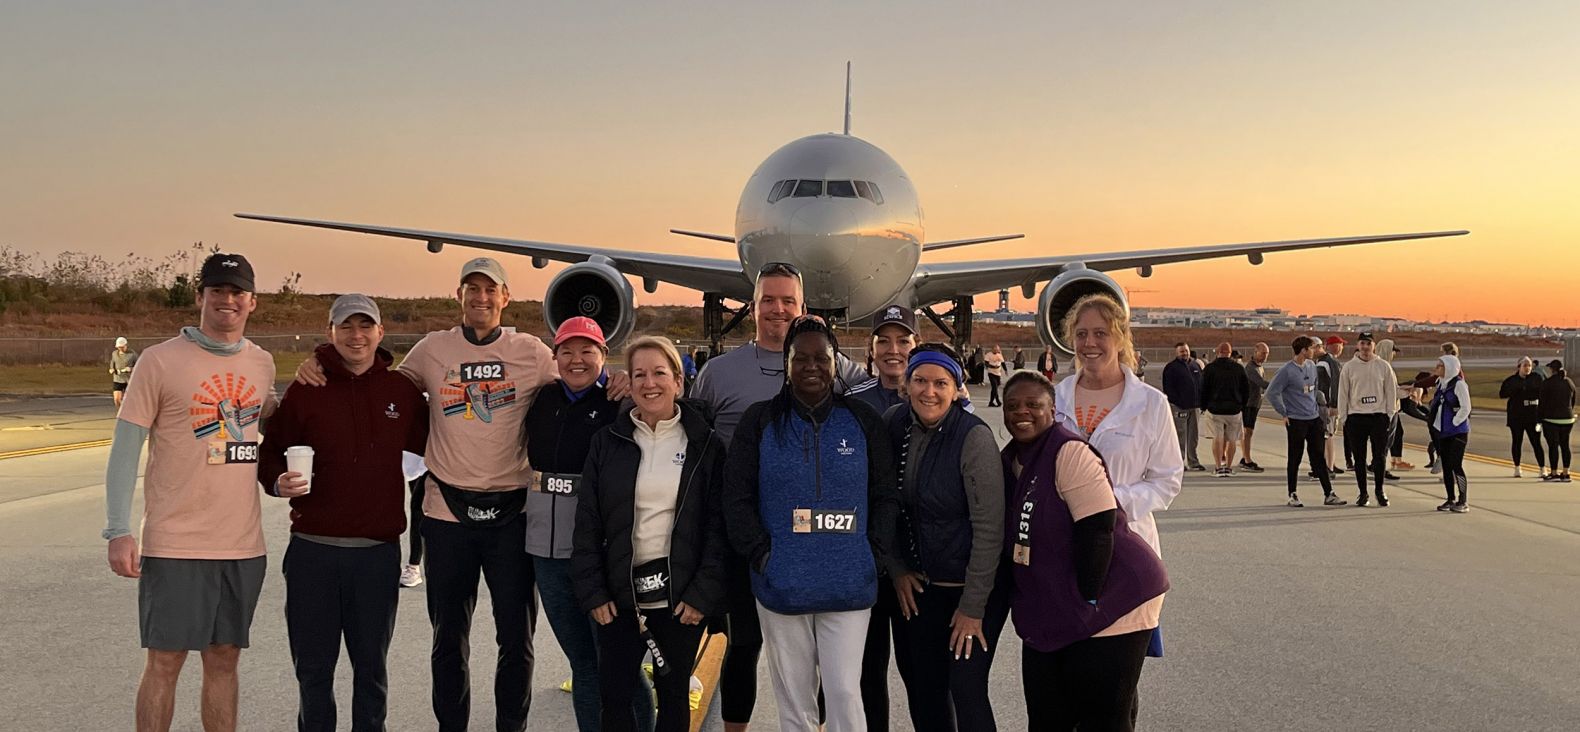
(1318, 618)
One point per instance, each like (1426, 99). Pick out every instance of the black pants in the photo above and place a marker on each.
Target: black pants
(456, 554)
(1451, 450)
(1557, 444)
(886, 623)
(1307, 433)
(620, 652)
(945, 693)
(993, 382)
(1090, 684)
(414, 526)
(738, 673)
(1517, 435)
(1361, 430)
(1396, 437)
(334, 592)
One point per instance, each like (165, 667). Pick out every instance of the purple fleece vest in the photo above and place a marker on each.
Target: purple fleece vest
(1048, 608)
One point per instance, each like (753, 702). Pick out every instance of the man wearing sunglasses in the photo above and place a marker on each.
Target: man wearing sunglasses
(729, 384)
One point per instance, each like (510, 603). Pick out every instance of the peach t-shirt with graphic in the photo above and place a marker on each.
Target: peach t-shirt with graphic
(200, 490)
(477, 399)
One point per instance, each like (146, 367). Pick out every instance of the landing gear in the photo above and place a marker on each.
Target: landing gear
(714, 327)
(958, 330)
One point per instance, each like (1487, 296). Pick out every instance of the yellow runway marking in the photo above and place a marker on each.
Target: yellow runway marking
(53, 448)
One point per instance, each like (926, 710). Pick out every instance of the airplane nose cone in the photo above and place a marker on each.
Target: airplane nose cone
(827, 233)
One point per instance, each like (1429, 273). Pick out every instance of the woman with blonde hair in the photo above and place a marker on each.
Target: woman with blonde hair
(1128, 421)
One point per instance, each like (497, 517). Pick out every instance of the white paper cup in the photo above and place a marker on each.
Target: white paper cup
(299, 459)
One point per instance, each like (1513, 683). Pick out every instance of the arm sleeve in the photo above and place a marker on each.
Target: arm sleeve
(1275, 393)
(587, 539)
(1462, 390)
(883, 489)
(120, 478)
(1165, 470)
(1093, 544)
(1391, 391)
(1344, 392)
(983, 475)
(1258, 382)
(283, 432)
(743, 526)
(1509, 389)
(850, 374)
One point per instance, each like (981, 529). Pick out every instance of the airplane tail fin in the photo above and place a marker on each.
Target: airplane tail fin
(847, 97)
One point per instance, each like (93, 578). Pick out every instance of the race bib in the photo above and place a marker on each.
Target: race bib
(472, 373)
(222, 452)
(560, 484)
(823, 521)
(1022, 551)
(1368, 400)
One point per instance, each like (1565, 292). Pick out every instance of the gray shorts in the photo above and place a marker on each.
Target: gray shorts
(1225, 426)
(191, 604)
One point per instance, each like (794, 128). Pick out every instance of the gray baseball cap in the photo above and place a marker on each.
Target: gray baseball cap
(353, 304)
(488, 266)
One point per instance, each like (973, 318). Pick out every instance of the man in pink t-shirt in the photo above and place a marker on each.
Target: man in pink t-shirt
(197, 399)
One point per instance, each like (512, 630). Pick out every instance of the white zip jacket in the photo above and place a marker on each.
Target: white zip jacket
(1138, 443)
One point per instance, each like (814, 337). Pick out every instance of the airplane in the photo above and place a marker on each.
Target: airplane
(846, 215)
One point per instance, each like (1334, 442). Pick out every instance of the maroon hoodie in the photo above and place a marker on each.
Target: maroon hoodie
(357, 426)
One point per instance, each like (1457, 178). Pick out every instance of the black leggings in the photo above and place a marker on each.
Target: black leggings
(413, 530)
(993, 382)
(1361, 430)
(1396, 437)
(1087, 685)
(1518, 435)
(886, 623)
(1557, 443)
(738, 673)
(945, 693)
(1451, 450)
(1307, 433)
(620, 651)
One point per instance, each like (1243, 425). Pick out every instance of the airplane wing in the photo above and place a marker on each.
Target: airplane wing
(698, 273)
(935, 282)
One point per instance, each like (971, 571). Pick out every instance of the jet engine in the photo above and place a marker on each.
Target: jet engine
(1060, 294)
(594, 289)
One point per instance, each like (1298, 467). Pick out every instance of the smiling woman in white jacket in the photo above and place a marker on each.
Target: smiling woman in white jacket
(1128, 422)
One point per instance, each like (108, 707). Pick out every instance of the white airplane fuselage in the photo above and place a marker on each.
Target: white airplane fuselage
(843, 212)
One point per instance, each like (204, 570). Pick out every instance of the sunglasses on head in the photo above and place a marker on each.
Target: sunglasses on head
(779, 269)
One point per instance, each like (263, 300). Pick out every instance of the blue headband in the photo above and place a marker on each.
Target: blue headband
(922, 358)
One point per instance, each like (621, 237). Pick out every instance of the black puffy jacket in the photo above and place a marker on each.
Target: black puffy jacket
(601, 557)
(1522, 393)
(1558, 396)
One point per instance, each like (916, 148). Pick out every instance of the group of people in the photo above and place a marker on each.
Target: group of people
(1317, 396)
(787, 501)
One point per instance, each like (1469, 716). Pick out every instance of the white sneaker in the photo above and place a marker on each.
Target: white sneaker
(1517, 473)
(410, 575)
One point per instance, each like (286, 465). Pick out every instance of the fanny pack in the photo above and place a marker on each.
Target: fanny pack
(650, 581)
(477, 508)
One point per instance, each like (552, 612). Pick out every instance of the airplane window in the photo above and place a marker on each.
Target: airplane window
(877, 195)
(809, 189)
(841, 189)
(862, 189)
(780, 190)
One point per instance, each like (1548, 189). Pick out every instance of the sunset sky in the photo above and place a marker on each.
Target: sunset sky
(140, 127)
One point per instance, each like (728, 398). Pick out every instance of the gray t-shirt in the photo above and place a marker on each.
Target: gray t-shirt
(121, 365)
(747, 375)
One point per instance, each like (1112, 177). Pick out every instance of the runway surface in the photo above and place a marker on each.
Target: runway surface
(1279, 618)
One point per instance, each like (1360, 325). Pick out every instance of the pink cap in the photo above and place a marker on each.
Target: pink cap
(580, 327)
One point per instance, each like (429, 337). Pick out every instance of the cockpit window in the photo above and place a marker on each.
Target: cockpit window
(808, 189)
(863, 189)
(841, 189)
(780, 190)
(877, 195)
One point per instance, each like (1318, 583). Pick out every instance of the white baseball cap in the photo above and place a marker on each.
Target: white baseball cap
(120, 342)
(487, 266)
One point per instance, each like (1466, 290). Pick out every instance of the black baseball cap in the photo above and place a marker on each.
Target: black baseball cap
(1365, 336)
(226, 269)
(896, 314)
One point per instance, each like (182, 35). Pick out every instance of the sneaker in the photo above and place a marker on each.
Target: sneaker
(1312, 476)
(1517, 472)
(1294, 501)
(1402, 466)
(410, 575)
(1250, 466)
(1551, 478)
(1332, 499)
(1362, 501)
(1437, 469)
(1197, 468)
(1223, 472)
(1445, 505)
(1563, 478)
(1382, 501)
(1338, 471)
(1459, 508)
(1389, 476)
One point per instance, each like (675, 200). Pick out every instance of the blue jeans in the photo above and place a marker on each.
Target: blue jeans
(573, 628)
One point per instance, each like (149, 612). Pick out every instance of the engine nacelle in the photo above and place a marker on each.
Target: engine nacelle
(594, 289)
(1061, 293)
